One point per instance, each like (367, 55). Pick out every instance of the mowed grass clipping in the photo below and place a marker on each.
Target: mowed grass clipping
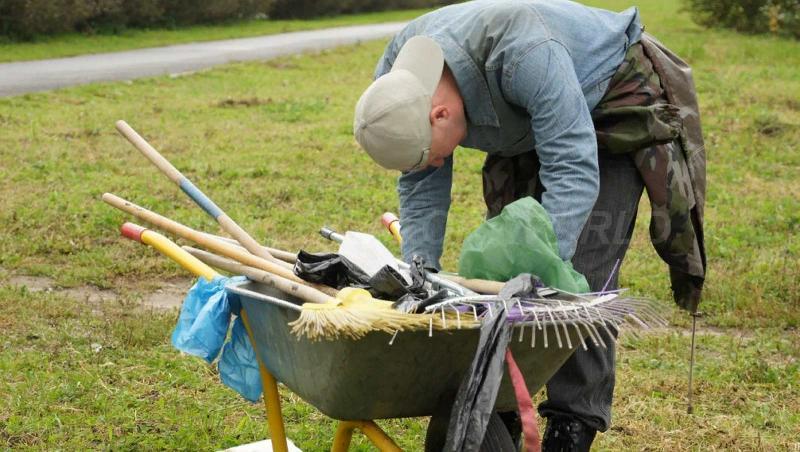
(272, 144)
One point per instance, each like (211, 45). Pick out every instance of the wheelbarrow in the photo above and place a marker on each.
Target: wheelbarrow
(379, 376)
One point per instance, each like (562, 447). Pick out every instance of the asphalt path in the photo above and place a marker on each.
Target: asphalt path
(41, 75)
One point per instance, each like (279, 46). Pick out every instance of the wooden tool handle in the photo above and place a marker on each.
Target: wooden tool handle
(149, 151)
(285, 256)
(483, 286)
(204, 240)
(191, 190)
(284, 285)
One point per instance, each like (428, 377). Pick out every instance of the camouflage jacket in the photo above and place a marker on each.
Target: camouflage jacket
(649, 104)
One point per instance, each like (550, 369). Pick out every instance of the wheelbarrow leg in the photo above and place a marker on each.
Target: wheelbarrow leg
(344, 433)
(272, 399)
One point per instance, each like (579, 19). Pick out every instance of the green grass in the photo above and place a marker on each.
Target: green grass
(271, 143)
(72, 44)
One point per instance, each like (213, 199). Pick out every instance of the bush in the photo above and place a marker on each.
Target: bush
(314, 8)
(24, 19)
(780, 17)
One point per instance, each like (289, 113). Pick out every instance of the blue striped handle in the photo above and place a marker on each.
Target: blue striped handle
(200, 198)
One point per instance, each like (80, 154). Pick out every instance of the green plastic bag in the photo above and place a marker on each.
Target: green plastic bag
(519, 240)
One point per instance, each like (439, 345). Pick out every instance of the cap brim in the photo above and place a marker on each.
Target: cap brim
(423, 57)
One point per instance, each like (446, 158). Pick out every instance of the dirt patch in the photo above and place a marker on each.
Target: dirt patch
(251, 102)
(33, 283)
(168, 296)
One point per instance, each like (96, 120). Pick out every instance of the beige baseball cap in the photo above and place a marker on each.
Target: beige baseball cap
(392, 116)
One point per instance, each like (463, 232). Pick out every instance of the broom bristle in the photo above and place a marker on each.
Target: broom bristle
(329, 321)
(355, 315)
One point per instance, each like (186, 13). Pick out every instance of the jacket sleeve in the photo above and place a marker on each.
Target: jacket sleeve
(424, 203)
(544, 82)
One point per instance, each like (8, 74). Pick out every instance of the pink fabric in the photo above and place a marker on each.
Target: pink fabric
(527, 413)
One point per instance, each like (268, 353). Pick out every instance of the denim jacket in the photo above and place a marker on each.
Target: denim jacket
(529, 72)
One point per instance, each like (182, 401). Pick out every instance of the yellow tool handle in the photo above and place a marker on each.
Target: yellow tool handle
(392, 223)
(168, 248)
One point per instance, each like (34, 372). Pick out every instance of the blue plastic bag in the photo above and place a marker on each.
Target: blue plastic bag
(203, 326)
(238, 367)
(205, 316)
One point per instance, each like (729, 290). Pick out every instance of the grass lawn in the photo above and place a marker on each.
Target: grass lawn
(271, 143)
(77, 43)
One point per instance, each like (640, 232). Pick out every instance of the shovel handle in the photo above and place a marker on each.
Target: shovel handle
(168, 248)
(191, 190)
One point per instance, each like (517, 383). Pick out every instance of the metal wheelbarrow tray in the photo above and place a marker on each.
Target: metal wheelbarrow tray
(368, 378)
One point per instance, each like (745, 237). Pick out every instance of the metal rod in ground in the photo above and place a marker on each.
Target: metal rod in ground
(690, 407)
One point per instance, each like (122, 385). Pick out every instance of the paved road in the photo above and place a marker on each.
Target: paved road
(30, 76)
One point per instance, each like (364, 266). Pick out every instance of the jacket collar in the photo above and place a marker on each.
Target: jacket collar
(471, 83)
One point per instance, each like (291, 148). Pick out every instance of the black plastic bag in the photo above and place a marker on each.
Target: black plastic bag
(337, 271)
(329, 269)
(477, 393)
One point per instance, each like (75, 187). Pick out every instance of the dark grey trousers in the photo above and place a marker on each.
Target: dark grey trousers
(584, 386)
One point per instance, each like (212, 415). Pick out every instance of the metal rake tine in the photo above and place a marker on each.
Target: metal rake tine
(589, 330)
(580, 335)
(603, 322)
(588, 314)
(598, 335)
(564, 326)
(619, 316)
(644, 308)
(648, 309)
(521, 311)
(544, 333)
(555, 328)
(458, 318)
(633, 318)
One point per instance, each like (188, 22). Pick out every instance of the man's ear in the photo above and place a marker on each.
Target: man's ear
(438, 113)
